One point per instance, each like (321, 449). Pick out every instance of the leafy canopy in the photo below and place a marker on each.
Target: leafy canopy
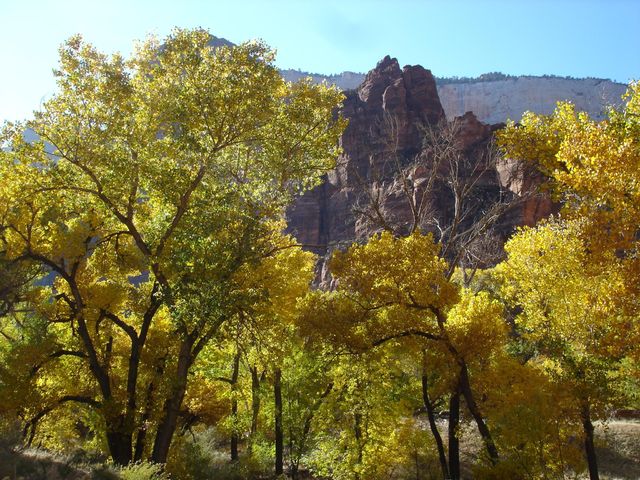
(154, 195)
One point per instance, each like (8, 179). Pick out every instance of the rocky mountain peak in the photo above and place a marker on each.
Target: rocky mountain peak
(387, 110)
(386, 72)
(388, 115)
(412, 89)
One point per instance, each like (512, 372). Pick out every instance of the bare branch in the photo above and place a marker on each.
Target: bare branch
(454, 188)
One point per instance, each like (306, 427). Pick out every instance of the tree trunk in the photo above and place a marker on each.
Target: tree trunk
(454, 442)
(234, 433)
(465, 390)
(296, 455)
(434, 427)
(120, 447)
(467, 393)
(141, 438)
(167, 425)
(277, 393)
(255, 399)
(357, 432)
(589, 449)
(294, 458)
(234, 407)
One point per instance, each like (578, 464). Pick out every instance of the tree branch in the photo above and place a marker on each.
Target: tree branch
(407, 333)
(54, 355)
(33, 422)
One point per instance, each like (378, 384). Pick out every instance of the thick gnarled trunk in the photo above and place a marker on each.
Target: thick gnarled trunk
(169, 422)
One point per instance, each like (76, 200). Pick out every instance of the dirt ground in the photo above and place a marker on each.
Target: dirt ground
(618, 449)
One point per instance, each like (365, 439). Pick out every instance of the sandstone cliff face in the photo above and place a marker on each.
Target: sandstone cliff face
(497, 101)
(387, 115)
(384, 114)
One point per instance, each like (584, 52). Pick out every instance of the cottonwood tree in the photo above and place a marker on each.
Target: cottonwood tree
(168, 170)
(593, 169)
(570, 312)
(364, 426)
(264, 341)
(592, 166)
(398, 288)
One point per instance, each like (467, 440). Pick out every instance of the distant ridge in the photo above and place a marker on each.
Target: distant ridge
(495, 97)
(344, 80)
(220, 42)
(495, 76)
(496, 101)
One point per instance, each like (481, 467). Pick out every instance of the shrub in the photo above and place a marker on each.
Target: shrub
(143, 471)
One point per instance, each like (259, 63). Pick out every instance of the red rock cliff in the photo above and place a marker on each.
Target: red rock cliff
(387, 114)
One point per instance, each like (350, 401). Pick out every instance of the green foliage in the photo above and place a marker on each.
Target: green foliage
(198, 456)
(134, 471)
(365, 429)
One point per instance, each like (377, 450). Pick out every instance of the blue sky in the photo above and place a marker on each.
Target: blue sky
(455, 37)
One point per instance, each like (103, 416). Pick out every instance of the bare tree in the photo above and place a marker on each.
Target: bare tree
(459, 189)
